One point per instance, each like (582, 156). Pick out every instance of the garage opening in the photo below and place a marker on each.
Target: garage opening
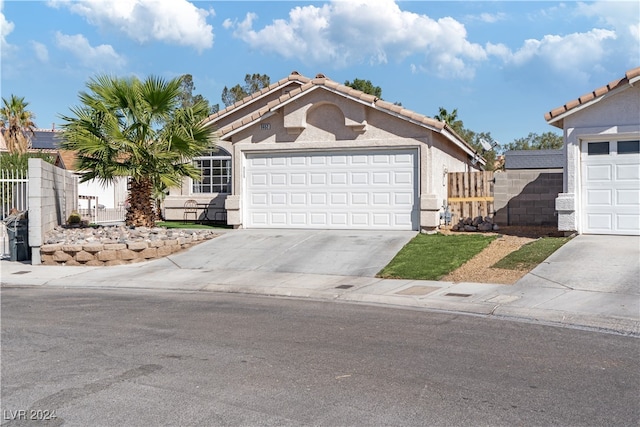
(359, 189)
(611, 187)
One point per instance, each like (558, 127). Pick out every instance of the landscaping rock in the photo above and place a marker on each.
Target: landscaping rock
(116, 245)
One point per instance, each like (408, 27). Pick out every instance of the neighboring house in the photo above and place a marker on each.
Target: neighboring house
(601, 188)
(43, 141)
(312, 153)
(112, 195)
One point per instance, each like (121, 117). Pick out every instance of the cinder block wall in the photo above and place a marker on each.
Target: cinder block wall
(53, 195)
(527, 197)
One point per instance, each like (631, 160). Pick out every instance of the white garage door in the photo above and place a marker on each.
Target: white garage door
(611, 187)
(373, 189)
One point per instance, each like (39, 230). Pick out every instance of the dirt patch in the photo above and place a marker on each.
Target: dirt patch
(478, 269)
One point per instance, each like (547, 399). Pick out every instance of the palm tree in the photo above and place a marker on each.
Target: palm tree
(17, 123)
(128, 127)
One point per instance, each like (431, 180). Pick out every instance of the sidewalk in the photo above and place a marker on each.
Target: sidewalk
(533, 298)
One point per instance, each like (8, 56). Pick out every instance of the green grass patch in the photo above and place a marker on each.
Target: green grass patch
(531, 254)
(431, 256)
(188, 225)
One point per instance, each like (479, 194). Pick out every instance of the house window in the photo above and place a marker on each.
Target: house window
(215, 169)
(628, 147)
(598, 148)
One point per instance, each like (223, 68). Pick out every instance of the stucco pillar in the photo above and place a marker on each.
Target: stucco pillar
(566, 207)
(429, 211)
(233, 205)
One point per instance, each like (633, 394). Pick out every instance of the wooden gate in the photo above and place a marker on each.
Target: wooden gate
(470, 194)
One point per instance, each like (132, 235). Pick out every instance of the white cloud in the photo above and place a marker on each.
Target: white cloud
(568, 53)
(97, 58)
(622, 17)
(177, 21)
(575, 56)
(342, 33)
(489, 18)
(6, 27)
(42, 53)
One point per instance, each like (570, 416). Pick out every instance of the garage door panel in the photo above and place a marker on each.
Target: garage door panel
(318, 199)
(599, 197)
(298, 178)
(318, 179)
(628, 197)
(381, 178)
(381, 219)
(298, 218)
(259, 199)
(340, 219)
(318, 219)
(359, 178)
(628, 223)
(259, 179)
(338, 178)
(278, 198)
(601, 221)
(381, 199)
(599, 173)
(369, 189)
(628, 172)
(403, 178)
(338, 199)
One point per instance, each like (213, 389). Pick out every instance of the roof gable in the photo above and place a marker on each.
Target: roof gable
(321, 82)
(555, 117)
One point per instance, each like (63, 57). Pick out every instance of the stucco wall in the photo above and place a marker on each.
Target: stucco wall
(53, 194)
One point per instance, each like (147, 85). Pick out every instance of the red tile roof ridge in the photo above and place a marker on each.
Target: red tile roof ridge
(294, 76)
(322, 80)
(596, 93)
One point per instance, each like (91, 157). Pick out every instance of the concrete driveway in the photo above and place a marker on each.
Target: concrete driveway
(592, 263)
(327, 252)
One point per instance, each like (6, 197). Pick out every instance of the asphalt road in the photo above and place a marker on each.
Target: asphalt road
(142, 358)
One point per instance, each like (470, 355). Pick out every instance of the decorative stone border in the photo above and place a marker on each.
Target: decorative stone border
(97, 253)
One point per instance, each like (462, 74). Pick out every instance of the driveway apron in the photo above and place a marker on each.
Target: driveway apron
(601, 263)
(328, 252)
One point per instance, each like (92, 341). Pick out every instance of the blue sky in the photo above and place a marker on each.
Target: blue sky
(501, 64)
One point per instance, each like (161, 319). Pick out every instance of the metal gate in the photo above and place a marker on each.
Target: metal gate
(14, 197)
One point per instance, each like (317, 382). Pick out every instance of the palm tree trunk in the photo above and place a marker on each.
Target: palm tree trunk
(140, 212)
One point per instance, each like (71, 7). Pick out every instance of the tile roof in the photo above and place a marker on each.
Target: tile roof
(68, 159)
(630, 77)
(320, 80)
(293, 77)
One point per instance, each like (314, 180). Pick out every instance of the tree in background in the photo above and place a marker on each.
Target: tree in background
(252, 84)
(128, 127)
(534, 141)
(188, 99)
(472, 138)
(365, 86)
(17, 123)
(450, 118)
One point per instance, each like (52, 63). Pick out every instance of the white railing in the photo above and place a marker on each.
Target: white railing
(97, 215)
(14, 196)
(14, 192)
